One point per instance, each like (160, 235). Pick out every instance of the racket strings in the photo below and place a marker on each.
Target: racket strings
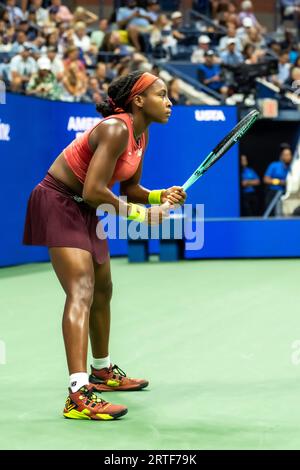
(232, 138)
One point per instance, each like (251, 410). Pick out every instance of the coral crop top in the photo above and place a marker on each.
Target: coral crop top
(78, 153)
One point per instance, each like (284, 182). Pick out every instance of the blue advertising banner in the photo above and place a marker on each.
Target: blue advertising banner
(33, 132)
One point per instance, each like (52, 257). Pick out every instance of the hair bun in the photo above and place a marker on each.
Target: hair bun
(105, 108)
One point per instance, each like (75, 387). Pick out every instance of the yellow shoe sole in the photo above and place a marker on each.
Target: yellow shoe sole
(85, 414)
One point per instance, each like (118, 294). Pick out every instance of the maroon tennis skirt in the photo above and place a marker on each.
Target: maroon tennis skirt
(57, 217)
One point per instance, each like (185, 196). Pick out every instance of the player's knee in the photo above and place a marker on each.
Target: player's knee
(82, 291)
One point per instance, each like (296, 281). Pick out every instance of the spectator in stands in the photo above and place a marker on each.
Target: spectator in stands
(84, 15)
(124, 69)
(93, 93)
(21, 67)
(203, 46)
(296, 63)
(233, 19)
(275, 48)
(293, 83)
(127, 14)
(295, 76)
(221, 11)
(254, 37)
(138, 61)
(249, 54)
(294, 53)
(176, 19)
(161, 38)
(44, 83)
(52, 39)
(101, 75)
(4, 16)
(276, 174)
(98, 35)
(29, 29)
(135, 21)
(56, 63)
(218, 6)
(53, 20)
(63, 13)
(249, 181)
(39, 42)
(290, 9)
(244, 29)
(7, 40)
(75, 82)
(289, 41)
(2, 26)
(80, 37)
(71, 57)
(284, 68)
(63, 27)
(209, 74)
(174, 92)
(34, 47)
(31, 18)
(66, 41)
(249, 38)
(19, 43)
(112, 43)
(152, 9)
(15, 14)
(247, 12)
(231, 34)
(41, 14)
(231, 57)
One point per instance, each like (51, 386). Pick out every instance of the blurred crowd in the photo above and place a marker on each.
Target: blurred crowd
(49, 51)
(232, 62)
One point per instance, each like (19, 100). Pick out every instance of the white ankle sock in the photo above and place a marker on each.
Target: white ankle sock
(101, 363)
(78, 380)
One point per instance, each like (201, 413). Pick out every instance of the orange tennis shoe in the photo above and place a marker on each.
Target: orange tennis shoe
(114, 379)
(85, 404)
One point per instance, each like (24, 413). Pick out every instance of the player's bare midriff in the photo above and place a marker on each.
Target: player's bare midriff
(61, 171)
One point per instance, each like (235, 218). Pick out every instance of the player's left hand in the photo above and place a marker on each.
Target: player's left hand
(174, 195)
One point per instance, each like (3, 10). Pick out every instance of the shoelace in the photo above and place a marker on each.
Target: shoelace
(91, 396)
(118, 372)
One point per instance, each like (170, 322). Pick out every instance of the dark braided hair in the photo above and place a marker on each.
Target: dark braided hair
(118, 93)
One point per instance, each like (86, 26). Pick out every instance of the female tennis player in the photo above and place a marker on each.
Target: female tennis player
(61, 214)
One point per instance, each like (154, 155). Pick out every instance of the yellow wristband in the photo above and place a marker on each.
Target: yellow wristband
(154, 196)
(137, 213)
(276, 181)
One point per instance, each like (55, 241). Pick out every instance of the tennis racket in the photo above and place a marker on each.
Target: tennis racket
(232, 138)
